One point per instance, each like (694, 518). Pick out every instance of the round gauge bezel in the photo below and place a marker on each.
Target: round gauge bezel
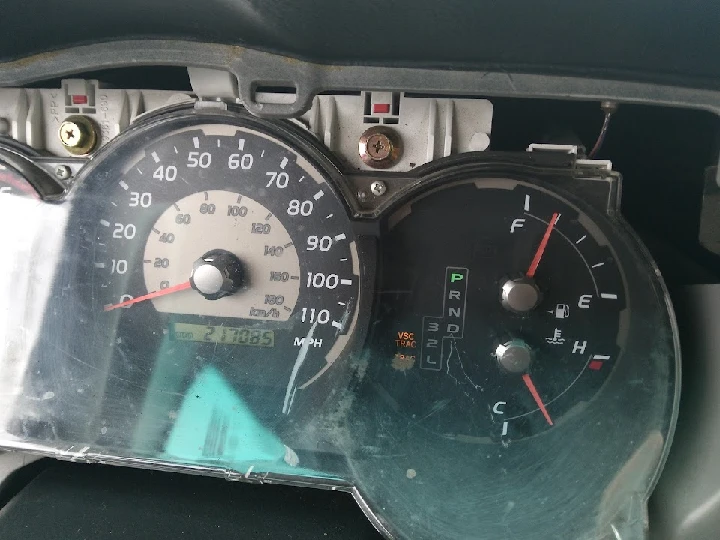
(622, 429)
(403, 209)
(286, 134)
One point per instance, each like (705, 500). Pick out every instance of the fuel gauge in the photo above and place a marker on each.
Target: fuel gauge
(504, 331)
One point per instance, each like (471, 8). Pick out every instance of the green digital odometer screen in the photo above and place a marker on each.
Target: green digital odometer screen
(251, 337)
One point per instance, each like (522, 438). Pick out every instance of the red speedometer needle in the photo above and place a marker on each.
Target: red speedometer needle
(541, 248)
(536, 397)
(149, 296)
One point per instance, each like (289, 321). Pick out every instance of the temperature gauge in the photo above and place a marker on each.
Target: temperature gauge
(519, 321)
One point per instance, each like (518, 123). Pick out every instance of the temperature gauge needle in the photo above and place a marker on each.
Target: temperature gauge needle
(541, 248)
(536, 397)
(149, 296)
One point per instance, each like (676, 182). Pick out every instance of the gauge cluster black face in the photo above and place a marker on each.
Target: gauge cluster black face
(498, 333)
(216, 306)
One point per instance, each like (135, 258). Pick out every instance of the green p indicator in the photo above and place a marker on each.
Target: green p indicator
(456, 277)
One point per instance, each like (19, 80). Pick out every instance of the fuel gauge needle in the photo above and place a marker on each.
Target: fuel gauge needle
(149, 296)
(541, 248)
(536, 397)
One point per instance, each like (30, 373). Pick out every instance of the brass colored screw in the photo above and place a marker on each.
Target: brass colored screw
(379, 147)
(78, 135)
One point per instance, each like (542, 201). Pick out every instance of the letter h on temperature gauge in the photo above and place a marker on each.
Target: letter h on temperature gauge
(438, 333)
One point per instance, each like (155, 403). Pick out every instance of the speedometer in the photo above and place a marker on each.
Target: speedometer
(218, 239)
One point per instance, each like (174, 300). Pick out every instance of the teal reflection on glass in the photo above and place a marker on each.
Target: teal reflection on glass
(214, 426)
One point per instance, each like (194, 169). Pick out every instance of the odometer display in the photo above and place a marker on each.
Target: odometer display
(226, 335)
(214, 229)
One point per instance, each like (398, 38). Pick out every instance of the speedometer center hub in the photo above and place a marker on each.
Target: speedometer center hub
(207, 279)
(216, 274)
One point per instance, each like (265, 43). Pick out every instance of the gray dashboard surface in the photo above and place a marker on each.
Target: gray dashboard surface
(648, 40)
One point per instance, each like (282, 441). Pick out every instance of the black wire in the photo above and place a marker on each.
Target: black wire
(601, 136)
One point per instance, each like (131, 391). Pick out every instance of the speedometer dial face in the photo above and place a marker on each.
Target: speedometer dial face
(502, 332)
(216, 243)
(264, 256)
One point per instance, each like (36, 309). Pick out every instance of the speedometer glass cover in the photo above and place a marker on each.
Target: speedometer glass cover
(492, 355)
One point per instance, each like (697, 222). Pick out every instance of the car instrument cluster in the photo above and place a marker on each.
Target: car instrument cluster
(364, 298)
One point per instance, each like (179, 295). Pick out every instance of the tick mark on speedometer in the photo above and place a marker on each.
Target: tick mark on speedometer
(155, 157)
(176, 207)
(123, 185)
(340, 236)
(267, 218)
(104, 223)
(155, 230)
(328, 216)
(318, 195)
(287, 308)
(337, 324)
(196, 142)
(262, 154)
(206, 195)
(241, 144)
(284, 163)
(138, 170)
(288, 245)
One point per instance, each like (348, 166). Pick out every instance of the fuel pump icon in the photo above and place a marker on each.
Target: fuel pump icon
(562, 311)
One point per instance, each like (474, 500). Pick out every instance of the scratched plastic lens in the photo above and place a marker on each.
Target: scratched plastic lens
(215, 241)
